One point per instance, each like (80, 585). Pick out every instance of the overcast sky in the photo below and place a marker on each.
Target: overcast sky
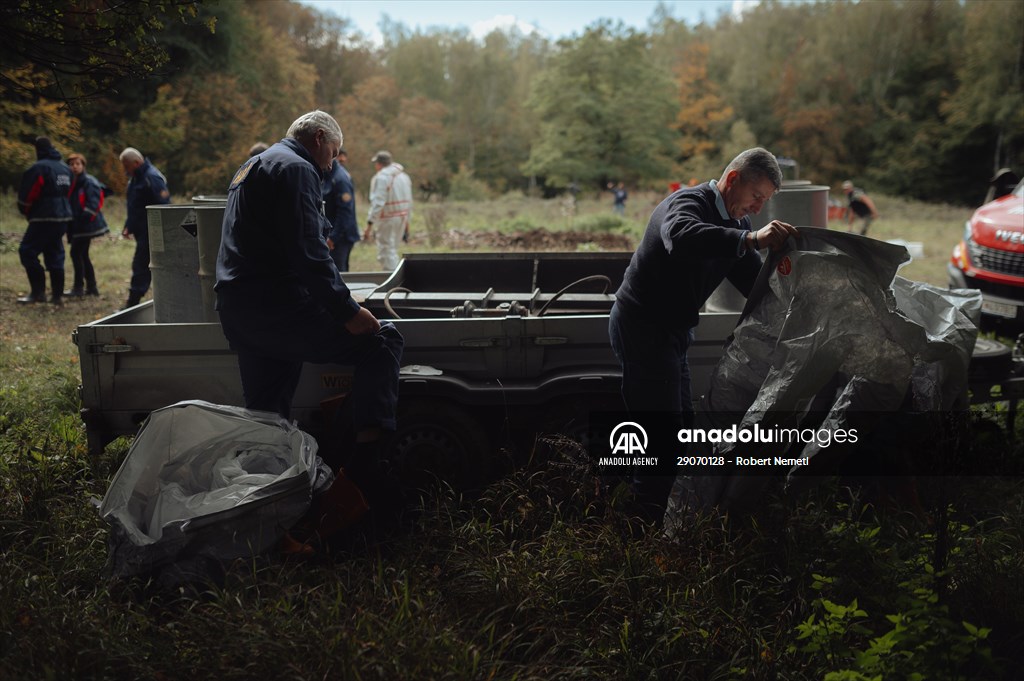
(551, 18)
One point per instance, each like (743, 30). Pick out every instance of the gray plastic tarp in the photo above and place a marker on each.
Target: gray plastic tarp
(210, 481)
(831, 328)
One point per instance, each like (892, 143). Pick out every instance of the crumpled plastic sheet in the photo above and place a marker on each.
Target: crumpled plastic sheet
(218, 478)
(210, 481)
(829, 327)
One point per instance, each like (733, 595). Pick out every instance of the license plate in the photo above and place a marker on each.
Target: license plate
(999, 309)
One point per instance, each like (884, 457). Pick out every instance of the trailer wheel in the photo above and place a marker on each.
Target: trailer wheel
(571, 418)
(991, 360)
(438, 441)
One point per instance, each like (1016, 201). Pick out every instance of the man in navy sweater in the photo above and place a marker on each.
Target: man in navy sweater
(696, 238)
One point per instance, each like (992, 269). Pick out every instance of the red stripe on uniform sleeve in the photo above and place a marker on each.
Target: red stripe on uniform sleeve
(34, 193)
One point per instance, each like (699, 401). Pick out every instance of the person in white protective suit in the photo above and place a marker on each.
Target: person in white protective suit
(390, 208)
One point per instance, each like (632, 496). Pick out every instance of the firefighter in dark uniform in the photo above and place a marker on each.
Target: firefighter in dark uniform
(340, 209)
(44, 199)
(146, 186)
(282, 301)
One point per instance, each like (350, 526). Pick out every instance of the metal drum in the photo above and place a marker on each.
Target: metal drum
(174, 262)
(208, 221)
(799, 203)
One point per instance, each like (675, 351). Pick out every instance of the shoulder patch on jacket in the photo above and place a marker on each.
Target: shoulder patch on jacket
(243, 172)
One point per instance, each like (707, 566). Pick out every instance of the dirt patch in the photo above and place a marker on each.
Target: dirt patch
(537, 239)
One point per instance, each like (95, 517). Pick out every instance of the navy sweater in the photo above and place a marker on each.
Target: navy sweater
(687, 250)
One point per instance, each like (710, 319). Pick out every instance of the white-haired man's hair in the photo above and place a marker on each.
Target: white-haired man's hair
(131, 154)
(306, 125)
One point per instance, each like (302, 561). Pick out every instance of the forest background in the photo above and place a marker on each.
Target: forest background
(922, 99)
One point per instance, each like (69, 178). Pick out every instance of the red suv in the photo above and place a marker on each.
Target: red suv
(990, 257)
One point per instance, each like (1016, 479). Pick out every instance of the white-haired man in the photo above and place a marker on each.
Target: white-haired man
(146, 186)
(282, 301)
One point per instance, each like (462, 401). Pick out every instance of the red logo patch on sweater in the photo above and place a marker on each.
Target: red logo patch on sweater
(785, 266)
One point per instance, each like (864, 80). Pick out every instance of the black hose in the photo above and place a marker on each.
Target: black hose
(387, 303)
(592, 277)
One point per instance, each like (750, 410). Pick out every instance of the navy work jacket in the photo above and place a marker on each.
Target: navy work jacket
(147, 187)
(87, 194)
(45, 189)
(273, 248)
(340, 204)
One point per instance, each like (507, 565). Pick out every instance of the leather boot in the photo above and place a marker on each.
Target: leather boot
(32, 298)
(57, 287)
(37, 281)
(382, 491)
(133, 300)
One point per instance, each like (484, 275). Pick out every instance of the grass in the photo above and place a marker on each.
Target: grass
(543, 576)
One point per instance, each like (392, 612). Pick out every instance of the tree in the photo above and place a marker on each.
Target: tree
(820, 116)
(703, 114)
(211, 154)
(271, 75)
(376, 117)
(341, 56)
(605, 111)
(417, 61)
(160, 129)
(25, 116)
(910, 154)
(990, 91)
(747, 56)
(419, 139)
(489, 124)
(85, 45)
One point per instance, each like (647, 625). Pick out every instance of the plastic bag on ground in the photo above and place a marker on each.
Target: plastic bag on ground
(204, 484)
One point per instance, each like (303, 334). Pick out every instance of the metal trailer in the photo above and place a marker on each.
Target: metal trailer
(496, 346)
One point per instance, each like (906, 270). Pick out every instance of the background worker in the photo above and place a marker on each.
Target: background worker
(282, 301)
(390, 208)
(147, 186)
(87, 194)
(43, 199)
(619, 196)
(340, 210)
(697, 237)
(860, 206)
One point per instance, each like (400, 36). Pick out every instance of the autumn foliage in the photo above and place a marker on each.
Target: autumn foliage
(921, 98)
